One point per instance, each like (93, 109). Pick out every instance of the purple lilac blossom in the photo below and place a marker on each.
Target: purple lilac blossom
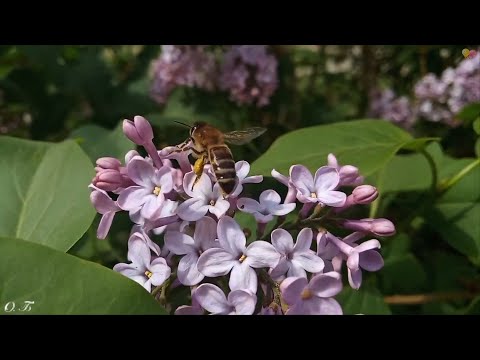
(249, 74)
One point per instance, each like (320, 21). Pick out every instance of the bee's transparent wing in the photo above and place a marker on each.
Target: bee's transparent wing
(240, 137)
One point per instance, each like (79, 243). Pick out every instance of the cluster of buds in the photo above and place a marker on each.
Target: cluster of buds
(185, 232)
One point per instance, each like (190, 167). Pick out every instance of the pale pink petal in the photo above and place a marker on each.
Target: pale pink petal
(326, 285)
(262, 254)
(309, 261)
(353, 261)
(188, 310)
(243, 277)
(152, 206)
(242, 168)
(292, 288)
(220, 208)
(304, 240)
(192, 209)
(269, 198)
(319, 306)
(282, 209)
(332, 198)
(326, 179)
(188, 273)
(216, 262)
(102, 202)
(179, 243)
(263, 219)
(302, 179)
(205, 233)
(164, 179)
(202, 189)
(160, 271)
(279, 177)
(243, 301)
(105, 224)
(371, 260)
(140, 171)
(281, 269)
(248, 205)
(212, 299)
(296, 270)
(282, 241)
(368, 245)
(139, 253)
(355, 278)
(231, 236)
(256, 179)
(132, 197)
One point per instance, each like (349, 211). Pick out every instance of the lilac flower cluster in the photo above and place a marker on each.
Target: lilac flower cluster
(437, 99)
(185, 233)
(440, 99)
(386, 105)
(182, 65)
(247, 72)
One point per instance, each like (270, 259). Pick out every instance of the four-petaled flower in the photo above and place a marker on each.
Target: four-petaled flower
(235, 256)
(149, 193)
(296, 259)
(142, 269)
(204, 199)
(183, 244)
(238, 302)
(314, 298)
(320, 189)
(268, 206)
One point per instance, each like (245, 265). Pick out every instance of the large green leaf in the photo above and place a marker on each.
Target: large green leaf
(44, 192)
(59, 283)
(456, 214)
(403, 274)
(366, 301)
(99, 142)
(367, 144)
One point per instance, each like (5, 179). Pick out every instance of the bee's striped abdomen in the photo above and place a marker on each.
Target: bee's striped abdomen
(224, 167)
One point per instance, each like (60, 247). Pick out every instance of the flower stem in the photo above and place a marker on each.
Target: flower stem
(433, 168)
(277, 297)
(456, 178)
(417, 299)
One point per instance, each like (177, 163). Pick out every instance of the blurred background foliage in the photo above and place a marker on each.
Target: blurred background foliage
(51, 93)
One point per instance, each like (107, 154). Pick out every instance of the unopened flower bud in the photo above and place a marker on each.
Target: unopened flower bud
(364, 194)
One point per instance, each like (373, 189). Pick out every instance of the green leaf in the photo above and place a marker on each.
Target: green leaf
(455, 215)
(366, 301)
(476, 125)
(367, 144)
(403, 173)
(403, 274)
(419, 144)
(477, 147)
(469, 112)
(99, 142)
(59, 283)
(46, 188)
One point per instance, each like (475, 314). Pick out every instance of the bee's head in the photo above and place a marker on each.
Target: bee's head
(196, 126)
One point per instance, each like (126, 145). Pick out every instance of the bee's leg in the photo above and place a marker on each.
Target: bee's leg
(198, 168)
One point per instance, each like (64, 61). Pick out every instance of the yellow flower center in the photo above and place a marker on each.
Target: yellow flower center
(157, 190)
(242, 258)
(306, 294)
(313, 195)
(212, 202)
(148, 274)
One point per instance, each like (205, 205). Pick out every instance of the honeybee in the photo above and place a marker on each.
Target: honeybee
(209, 147)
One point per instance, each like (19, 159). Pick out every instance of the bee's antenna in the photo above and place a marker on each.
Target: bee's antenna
(178, 122)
